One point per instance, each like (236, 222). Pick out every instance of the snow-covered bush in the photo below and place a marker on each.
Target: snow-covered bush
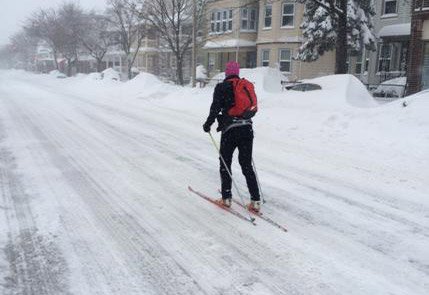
(201, 73)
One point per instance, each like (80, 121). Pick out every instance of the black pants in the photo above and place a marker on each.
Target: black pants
(241, 138)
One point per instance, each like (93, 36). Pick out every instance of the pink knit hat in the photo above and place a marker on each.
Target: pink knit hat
(232, 68)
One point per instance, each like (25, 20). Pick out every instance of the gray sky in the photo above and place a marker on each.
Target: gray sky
(14, 12)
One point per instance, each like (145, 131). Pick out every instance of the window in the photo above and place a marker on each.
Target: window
(285, 60)
(230, 20)
(221, 21)
(268, 15)
(359, 62)
(390, 7)
(265, 59)
(218, 21)
(384, 59)
(248, 19)
(288, 12)
(212, 23)
(224, 20)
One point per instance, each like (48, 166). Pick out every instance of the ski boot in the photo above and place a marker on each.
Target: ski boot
(224, 202)
(254, 206)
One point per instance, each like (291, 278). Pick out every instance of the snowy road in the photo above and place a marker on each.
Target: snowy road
(93, 200)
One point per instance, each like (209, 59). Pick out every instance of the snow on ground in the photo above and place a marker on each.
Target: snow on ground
(93, 177)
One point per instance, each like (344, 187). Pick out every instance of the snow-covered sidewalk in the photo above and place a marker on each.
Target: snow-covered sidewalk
(94, 198)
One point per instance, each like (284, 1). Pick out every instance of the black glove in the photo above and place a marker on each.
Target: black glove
(206, 127)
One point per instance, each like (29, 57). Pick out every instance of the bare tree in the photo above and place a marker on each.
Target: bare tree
(44, 25)
(71, 24)
(98, 37)
(172, 19)
(6, 56)
(24, 48)
(124, 19)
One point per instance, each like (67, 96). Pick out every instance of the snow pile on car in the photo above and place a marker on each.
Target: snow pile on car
(343, 88)
(57, 74)
(111, 74)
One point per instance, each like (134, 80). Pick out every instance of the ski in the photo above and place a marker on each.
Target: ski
(232, 211)
(260, 215)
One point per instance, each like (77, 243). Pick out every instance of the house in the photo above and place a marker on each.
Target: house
(44, 59)
(259, 34)
(392, 26)
(418, 69)
(231, 34)
(279, 38)
(154, 57)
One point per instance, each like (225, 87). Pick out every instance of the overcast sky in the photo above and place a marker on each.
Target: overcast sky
(14, 12)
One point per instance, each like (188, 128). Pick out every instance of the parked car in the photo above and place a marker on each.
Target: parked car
(393, 88)
(57, 74)
(304, 87)
(111, 74)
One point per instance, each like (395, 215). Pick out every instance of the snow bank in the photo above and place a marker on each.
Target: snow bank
(357, 94)
(266, 79)
(146, 85)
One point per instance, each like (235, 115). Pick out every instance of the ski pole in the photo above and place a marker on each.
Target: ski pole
(257, 180)
(230, 174)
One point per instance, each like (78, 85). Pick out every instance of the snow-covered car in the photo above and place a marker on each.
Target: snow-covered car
(111, 74)
(94, 76)
(393, 88)
(304, 87)
(57, 74)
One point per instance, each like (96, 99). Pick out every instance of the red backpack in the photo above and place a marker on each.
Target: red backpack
(245, 102)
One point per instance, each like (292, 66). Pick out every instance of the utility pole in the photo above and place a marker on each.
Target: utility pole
(194, 44)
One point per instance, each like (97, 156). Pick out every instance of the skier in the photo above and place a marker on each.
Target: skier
(237, 132)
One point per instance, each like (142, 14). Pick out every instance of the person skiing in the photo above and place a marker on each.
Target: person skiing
(237, 132)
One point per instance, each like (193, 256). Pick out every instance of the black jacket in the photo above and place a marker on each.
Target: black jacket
(223, 100)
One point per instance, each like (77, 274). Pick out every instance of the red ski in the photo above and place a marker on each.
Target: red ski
(219, 204)
(260, 215)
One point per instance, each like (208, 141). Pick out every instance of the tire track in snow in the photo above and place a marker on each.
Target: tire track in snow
(36, 265)
(144, 255)
(249, 254)
(243, 257)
